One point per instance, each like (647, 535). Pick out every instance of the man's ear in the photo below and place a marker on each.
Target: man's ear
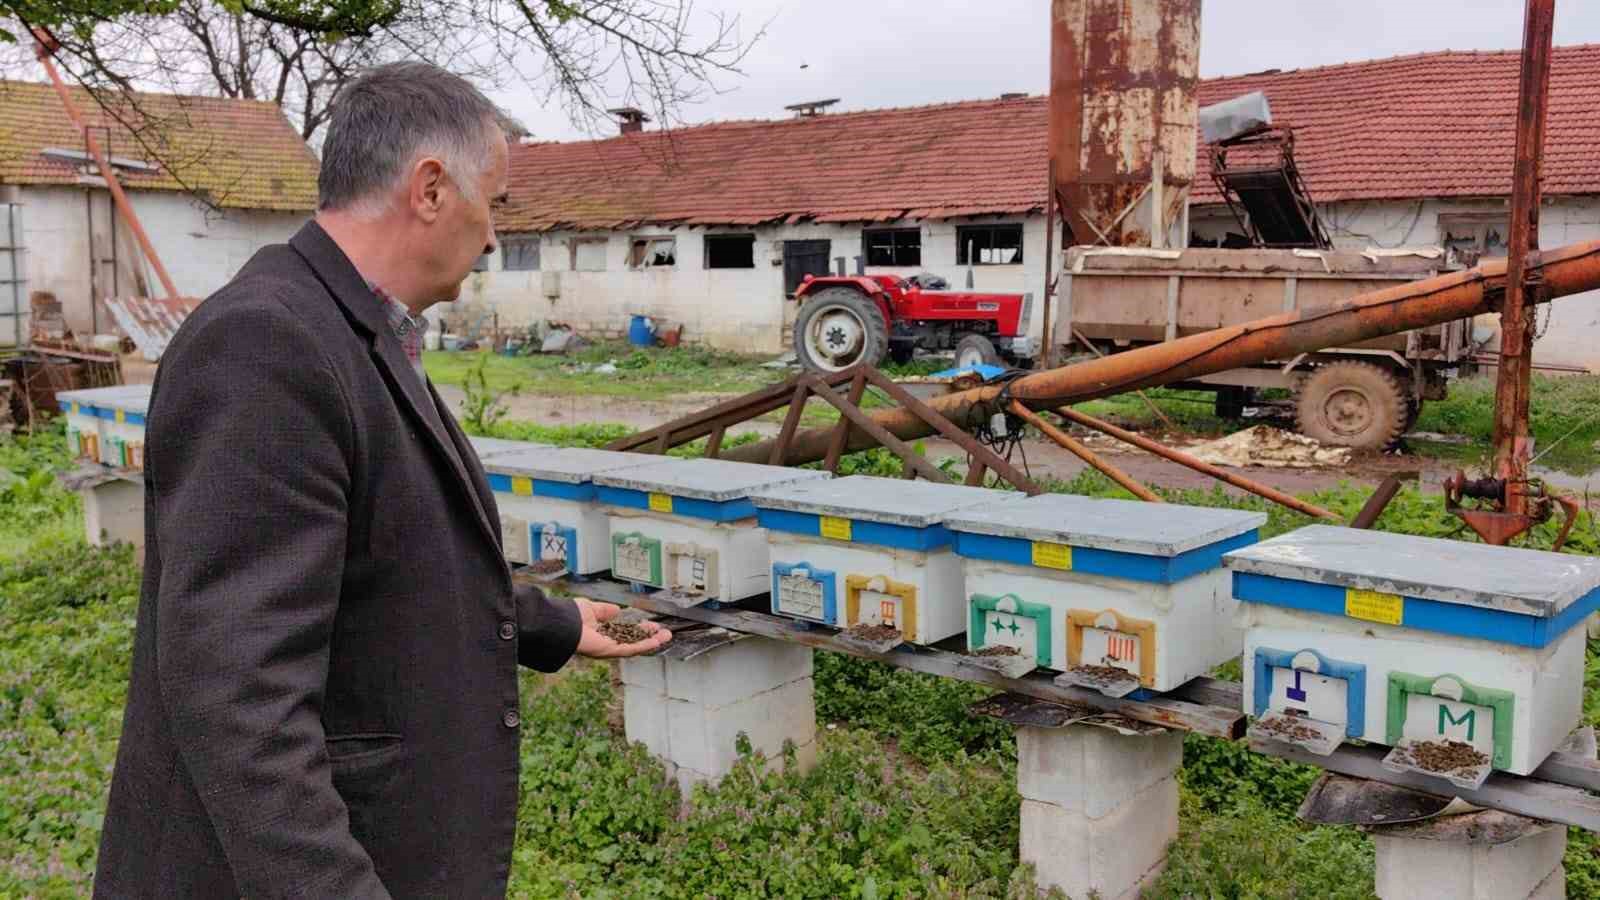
(427, 194)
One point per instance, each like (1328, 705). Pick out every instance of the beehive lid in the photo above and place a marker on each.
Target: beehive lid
(1124, 526)
(716, 480)
(892, 501)
(570, 465)
(1527, 582)
(134, 398)
(487, 447)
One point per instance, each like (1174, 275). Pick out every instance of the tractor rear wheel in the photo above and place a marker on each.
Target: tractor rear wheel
(839, 327)
(1353, 404)
(976, 350)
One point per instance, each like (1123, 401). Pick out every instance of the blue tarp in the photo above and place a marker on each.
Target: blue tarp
(987, 371)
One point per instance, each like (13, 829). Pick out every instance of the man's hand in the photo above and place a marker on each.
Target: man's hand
(595, 645)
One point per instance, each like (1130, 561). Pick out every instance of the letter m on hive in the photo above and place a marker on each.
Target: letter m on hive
(1468, 718)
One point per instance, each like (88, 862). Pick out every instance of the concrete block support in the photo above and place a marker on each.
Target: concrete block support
(1099, 808)
(114, 511)
(690, 713)
(1527, 868)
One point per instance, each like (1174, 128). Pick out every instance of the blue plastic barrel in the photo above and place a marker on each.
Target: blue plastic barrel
(642, 332)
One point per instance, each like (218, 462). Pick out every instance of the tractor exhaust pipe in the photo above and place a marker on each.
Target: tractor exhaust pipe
(1433, 301)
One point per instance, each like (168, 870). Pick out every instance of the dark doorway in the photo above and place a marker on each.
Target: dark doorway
(802, 258)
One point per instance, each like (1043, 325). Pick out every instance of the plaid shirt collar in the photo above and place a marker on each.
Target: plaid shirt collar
(407, 328)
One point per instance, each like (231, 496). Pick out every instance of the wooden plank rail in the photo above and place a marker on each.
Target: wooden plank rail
(1560, 790)
(1175, 713)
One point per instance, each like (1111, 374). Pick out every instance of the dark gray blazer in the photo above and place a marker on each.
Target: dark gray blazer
(324, 687)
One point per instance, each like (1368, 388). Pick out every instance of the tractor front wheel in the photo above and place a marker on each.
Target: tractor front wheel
(976, 350)
(839, 327)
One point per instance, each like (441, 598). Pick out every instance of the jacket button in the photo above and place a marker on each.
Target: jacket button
(508, 630)
(511, 719)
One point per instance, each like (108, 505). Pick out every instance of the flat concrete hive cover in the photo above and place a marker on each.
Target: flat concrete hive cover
(486, 447)
(1529, 582)
(717, 480)
(572, 465)
(894, 501)
(1127, 526)
(134, 398)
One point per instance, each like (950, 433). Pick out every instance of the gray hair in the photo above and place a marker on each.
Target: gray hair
(390, 116)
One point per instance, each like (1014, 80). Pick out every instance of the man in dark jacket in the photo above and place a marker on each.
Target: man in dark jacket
(323, 700)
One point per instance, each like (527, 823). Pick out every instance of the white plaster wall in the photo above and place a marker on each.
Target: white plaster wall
(200, 248)
(733, 309)
(1570, 326)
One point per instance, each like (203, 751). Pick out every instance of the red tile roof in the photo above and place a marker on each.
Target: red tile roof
(242, 154)
(1429, 125)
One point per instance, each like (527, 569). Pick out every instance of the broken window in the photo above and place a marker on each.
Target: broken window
(588, 254)
(730, 251)
(989, 245)
(1468, 238)
(892, 246)
(519, 253)
(652, 252)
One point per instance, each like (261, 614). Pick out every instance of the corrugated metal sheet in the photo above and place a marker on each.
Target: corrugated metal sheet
(151, 321)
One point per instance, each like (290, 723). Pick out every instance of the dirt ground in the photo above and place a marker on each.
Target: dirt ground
(1043, 458)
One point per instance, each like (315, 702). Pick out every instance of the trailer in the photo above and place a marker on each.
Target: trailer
(1366, 394)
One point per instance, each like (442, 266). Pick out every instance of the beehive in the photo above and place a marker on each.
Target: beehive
(868, 551)
(83, 423)
(549, 506)
(1118, 595)
(688, 526)
(107, 425)
(1412, 642)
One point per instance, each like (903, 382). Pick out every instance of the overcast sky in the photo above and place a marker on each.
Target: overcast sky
(875, 53)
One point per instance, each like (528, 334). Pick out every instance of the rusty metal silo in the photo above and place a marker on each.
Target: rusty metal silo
(1123, 75)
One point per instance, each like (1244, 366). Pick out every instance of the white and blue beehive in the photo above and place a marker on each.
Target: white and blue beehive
(83, 423)
(550, 507)
(688, 526)
(869, 551)
(1117, 595)
(107, 425)
(1405, 641)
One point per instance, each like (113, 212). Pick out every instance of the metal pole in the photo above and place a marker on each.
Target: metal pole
(1184, 459)
(1512, 443)
(43, 48)
(1084, 453)
(1049, 357)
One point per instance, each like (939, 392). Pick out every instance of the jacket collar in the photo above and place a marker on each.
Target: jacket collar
(366, 310)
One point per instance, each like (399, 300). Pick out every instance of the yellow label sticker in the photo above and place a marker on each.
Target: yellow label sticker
(1052, 556)
(522, 487)
(75, 410)
(661, 503)
(122, 417)
(1374, 606)
(835, 528)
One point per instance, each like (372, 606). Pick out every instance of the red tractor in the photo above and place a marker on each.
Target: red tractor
(847, 319)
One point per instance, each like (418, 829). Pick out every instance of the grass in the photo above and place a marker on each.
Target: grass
(641, 374)
(1563, 411)
(911, 798)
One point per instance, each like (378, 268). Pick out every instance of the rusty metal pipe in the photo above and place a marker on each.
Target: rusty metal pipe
(1085, 454)
(1512, 443)
(1432, 301)
(1184, 459)
(44, 46)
